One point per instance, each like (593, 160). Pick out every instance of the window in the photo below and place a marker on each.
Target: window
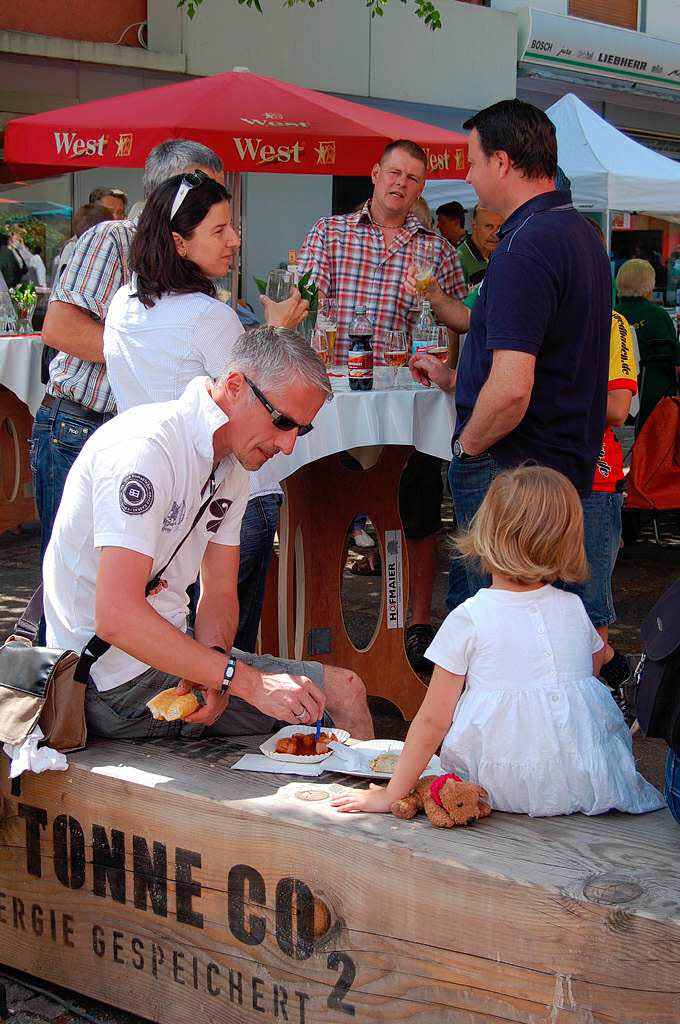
(611, 12)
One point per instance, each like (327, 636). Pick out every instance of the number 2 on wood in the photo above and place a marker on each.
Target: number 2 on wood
(344, 982)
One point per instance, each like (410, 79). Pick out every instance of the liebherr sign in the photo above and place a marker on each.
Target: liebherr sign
(555, 40)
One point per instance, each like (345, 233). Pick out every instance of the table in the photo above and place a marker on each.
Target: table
(21, 393)
(323, 497)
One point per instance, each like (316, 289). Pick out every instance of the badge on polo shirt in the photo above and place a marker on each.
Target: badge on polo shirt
(218, 508)
(135, 494)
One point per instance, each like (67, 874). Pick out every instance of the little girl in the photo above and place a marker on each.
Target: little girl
(534, 726)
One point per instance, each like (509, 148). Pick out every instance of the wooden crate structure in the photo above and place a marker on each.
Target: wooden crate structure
(157, 880)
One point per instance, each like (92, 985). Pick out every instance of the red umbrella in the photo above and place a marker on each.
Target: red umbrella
(253, 123)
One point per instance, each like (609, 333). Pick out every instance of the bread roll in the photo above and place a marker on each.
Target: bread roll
(168, 705)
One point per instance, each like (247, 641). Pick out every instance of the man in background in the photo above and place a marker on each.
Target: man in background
(475, 250)
(363, 258)
(114, 199)
(451, 222)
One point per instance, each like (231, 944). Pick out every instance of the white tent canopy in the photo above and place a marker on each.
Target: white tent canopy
(608, 171)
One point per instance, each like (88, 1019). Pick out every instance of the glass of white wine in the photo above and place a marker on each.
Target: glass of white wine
(320, 343)
(395, 352)
(279, 284)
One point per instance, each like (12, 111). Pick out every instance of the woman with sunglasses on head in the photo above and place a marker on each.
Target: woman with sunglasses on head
(167, 326)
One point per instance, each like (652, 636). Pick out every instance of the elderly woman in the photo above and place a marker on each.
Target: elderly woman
(656, 333)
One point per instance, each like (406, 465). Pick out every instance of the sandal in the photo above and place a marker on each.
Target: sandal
(364, 567)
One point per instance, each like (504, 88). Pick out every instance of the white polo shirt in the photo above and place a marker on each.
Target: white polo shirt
(137, 484)
(152, 354)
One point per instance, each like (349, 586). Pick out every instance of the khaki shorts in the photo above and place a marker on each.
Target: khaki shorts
(121, 713)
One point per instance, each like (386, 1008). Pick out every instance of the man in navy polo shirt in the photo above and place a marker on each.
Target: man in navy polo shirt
(532, 378)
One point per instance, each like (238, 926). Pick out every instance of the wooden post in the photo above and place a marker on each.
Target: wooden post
(17, 504)
(322, 499)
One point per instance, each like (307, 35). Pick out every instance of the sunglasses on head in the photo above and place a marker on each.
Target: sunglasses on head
(189, 181)
(279, 419)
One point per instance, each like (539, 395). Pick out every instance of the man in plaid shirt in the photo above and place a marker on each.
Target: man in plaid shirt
(364, 257)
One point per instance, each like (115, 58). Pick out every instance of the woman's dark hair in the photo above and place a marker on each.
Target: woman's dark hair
(522, 131)
(153, 255)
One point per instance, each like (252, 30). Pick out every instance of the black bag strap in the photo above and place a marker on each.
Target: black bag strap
(95, 646)
(27, 624)
(156, 578)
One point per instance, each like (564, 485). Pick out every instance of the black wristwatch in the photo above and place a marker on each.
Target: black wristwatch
(228, 676)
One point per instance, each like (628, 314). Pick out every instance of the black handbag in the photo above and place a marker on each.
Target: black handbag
(657, 677)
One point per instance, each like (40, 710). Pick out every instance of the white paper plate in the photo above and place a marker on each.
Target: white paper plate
(367, 750)
(269, 745)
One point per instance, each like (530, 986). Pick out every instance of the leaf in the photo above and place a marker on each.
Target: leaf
(260, 285)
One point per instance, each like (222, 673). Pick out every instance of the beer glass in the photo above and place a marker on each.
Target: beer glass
(395, 352)
(423, 264)
(329, 321)
(279, 285)
(320, 344)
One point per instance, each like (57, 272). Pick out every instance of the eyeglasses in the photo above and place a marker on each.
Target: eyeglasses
(189, 181)
(279, 419)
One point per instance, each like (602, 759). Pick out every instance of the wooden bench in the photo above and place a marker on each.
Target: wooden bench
(152, 877)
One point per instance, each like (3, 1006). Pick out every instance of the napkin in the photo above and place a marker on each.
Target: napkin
(260, 763)
(28, 757)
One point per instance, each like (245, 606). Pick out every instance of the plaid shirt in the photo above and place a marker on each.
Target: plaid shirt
(97, 269)
(348, 261)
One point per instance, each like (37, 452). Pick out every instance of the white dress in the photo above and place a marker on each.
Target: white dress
(533, 725)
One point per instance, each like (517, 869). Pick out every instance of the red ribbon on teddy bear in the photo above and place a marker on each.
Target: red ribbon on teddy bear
(438, 783)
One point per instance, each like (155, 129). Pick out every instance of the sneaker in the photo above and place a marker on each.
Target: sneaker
(616, 674)
(616, 671)
(360, 539)
(417, 640)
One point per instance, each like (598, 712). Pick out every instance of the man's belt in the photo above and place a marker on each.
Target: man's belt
(69, 408)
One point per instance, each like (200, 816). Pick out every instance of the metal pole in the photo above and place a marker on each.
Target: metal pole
(236, 220)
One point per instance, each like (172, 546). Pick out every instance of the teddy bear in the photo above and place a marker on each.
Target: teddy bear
(447, 801)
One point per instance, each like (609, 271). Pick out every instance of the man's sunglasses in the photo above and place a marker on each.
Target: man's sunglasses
(279, 419)
(191, 180)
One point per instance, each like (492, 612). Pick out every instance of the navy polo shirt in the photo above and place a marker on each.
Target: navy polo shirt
(547, 291)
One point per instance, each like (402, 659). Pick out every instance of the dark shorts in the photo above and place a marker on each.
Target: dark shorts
(420, 496)
(121, 713)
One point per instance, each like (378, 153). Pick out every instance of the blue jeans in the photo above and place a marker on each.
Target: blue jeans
(469, 480)
(602, 535)
(56, 441)
(259, 524)
(671, 789)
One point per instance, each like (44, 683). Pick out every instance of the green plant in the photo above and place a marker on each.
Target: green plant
(24, 297)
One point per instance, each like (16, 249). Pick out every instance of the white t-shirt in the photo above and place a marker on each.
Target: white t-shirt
(138, 484)
(152, 354)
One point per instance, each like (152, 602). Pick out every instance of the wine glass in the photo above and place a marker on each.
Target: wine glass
(279, 284)
(441, 347)
(395, 352)
(423, 264)
(320, 344)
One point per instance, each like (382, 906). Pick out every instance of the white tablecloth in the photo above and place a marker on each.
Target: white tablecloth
(423, 417)
(20, 367)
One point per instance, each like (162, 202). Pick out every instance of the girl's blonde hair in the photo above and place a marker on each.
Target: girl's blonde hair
(529, 528)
